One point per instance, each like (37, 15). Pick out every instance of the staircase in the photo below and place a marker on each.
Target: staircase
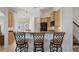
(75, 32)
(76, 29)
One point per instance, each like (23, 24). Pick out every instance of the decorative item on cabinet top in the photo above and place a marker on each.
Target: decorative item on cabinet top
(22, 27)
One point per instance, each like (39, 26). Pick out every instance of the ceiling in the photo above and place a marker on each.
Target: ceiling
(34, 11)
(29, 9)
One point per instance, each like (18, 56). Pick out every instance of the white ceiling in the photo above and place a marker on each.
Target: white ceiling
(32, 11)
(28, 9)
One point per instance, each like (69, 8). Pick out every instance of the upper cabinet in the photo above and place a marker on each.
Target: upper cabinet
(49, 22)
(53, 22)
(56, 18)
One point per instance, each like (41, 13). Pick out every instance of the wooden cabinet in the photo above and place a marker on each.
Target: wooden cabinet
(53, 22)
(43, 26)
(46, 24)
(56, 17)
(1, 39)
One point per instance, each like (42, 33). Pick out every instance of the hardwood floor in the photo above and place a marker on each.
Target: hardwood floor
(10, 48)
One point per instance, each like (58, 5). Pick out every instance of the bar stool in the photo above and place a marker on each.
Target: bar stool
(38, 42)
(56, 42)
(20, 41)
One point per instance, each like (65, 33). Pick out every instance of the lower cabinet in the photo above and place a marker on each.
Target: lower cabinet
(1, 39)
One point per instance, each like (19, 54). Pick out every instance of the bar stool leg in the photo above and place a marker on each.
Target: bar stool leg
(57, 47)
(42, 48)
(50, 47)
(26, 47)
(16, 48)
(61, 48)
(34, 48)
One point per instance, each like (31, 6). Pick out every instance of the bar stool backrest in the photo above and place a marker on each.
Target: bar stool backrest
(19, 37)
(38, 37)
(58, 37)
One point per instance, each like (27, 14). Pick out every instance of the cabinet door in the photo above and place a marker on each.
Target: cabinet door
(57, 18)
(1, 40)
(43, 26)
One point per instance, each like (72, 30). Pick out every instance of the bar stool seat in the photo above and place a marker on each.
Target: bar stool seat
(38, 42)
